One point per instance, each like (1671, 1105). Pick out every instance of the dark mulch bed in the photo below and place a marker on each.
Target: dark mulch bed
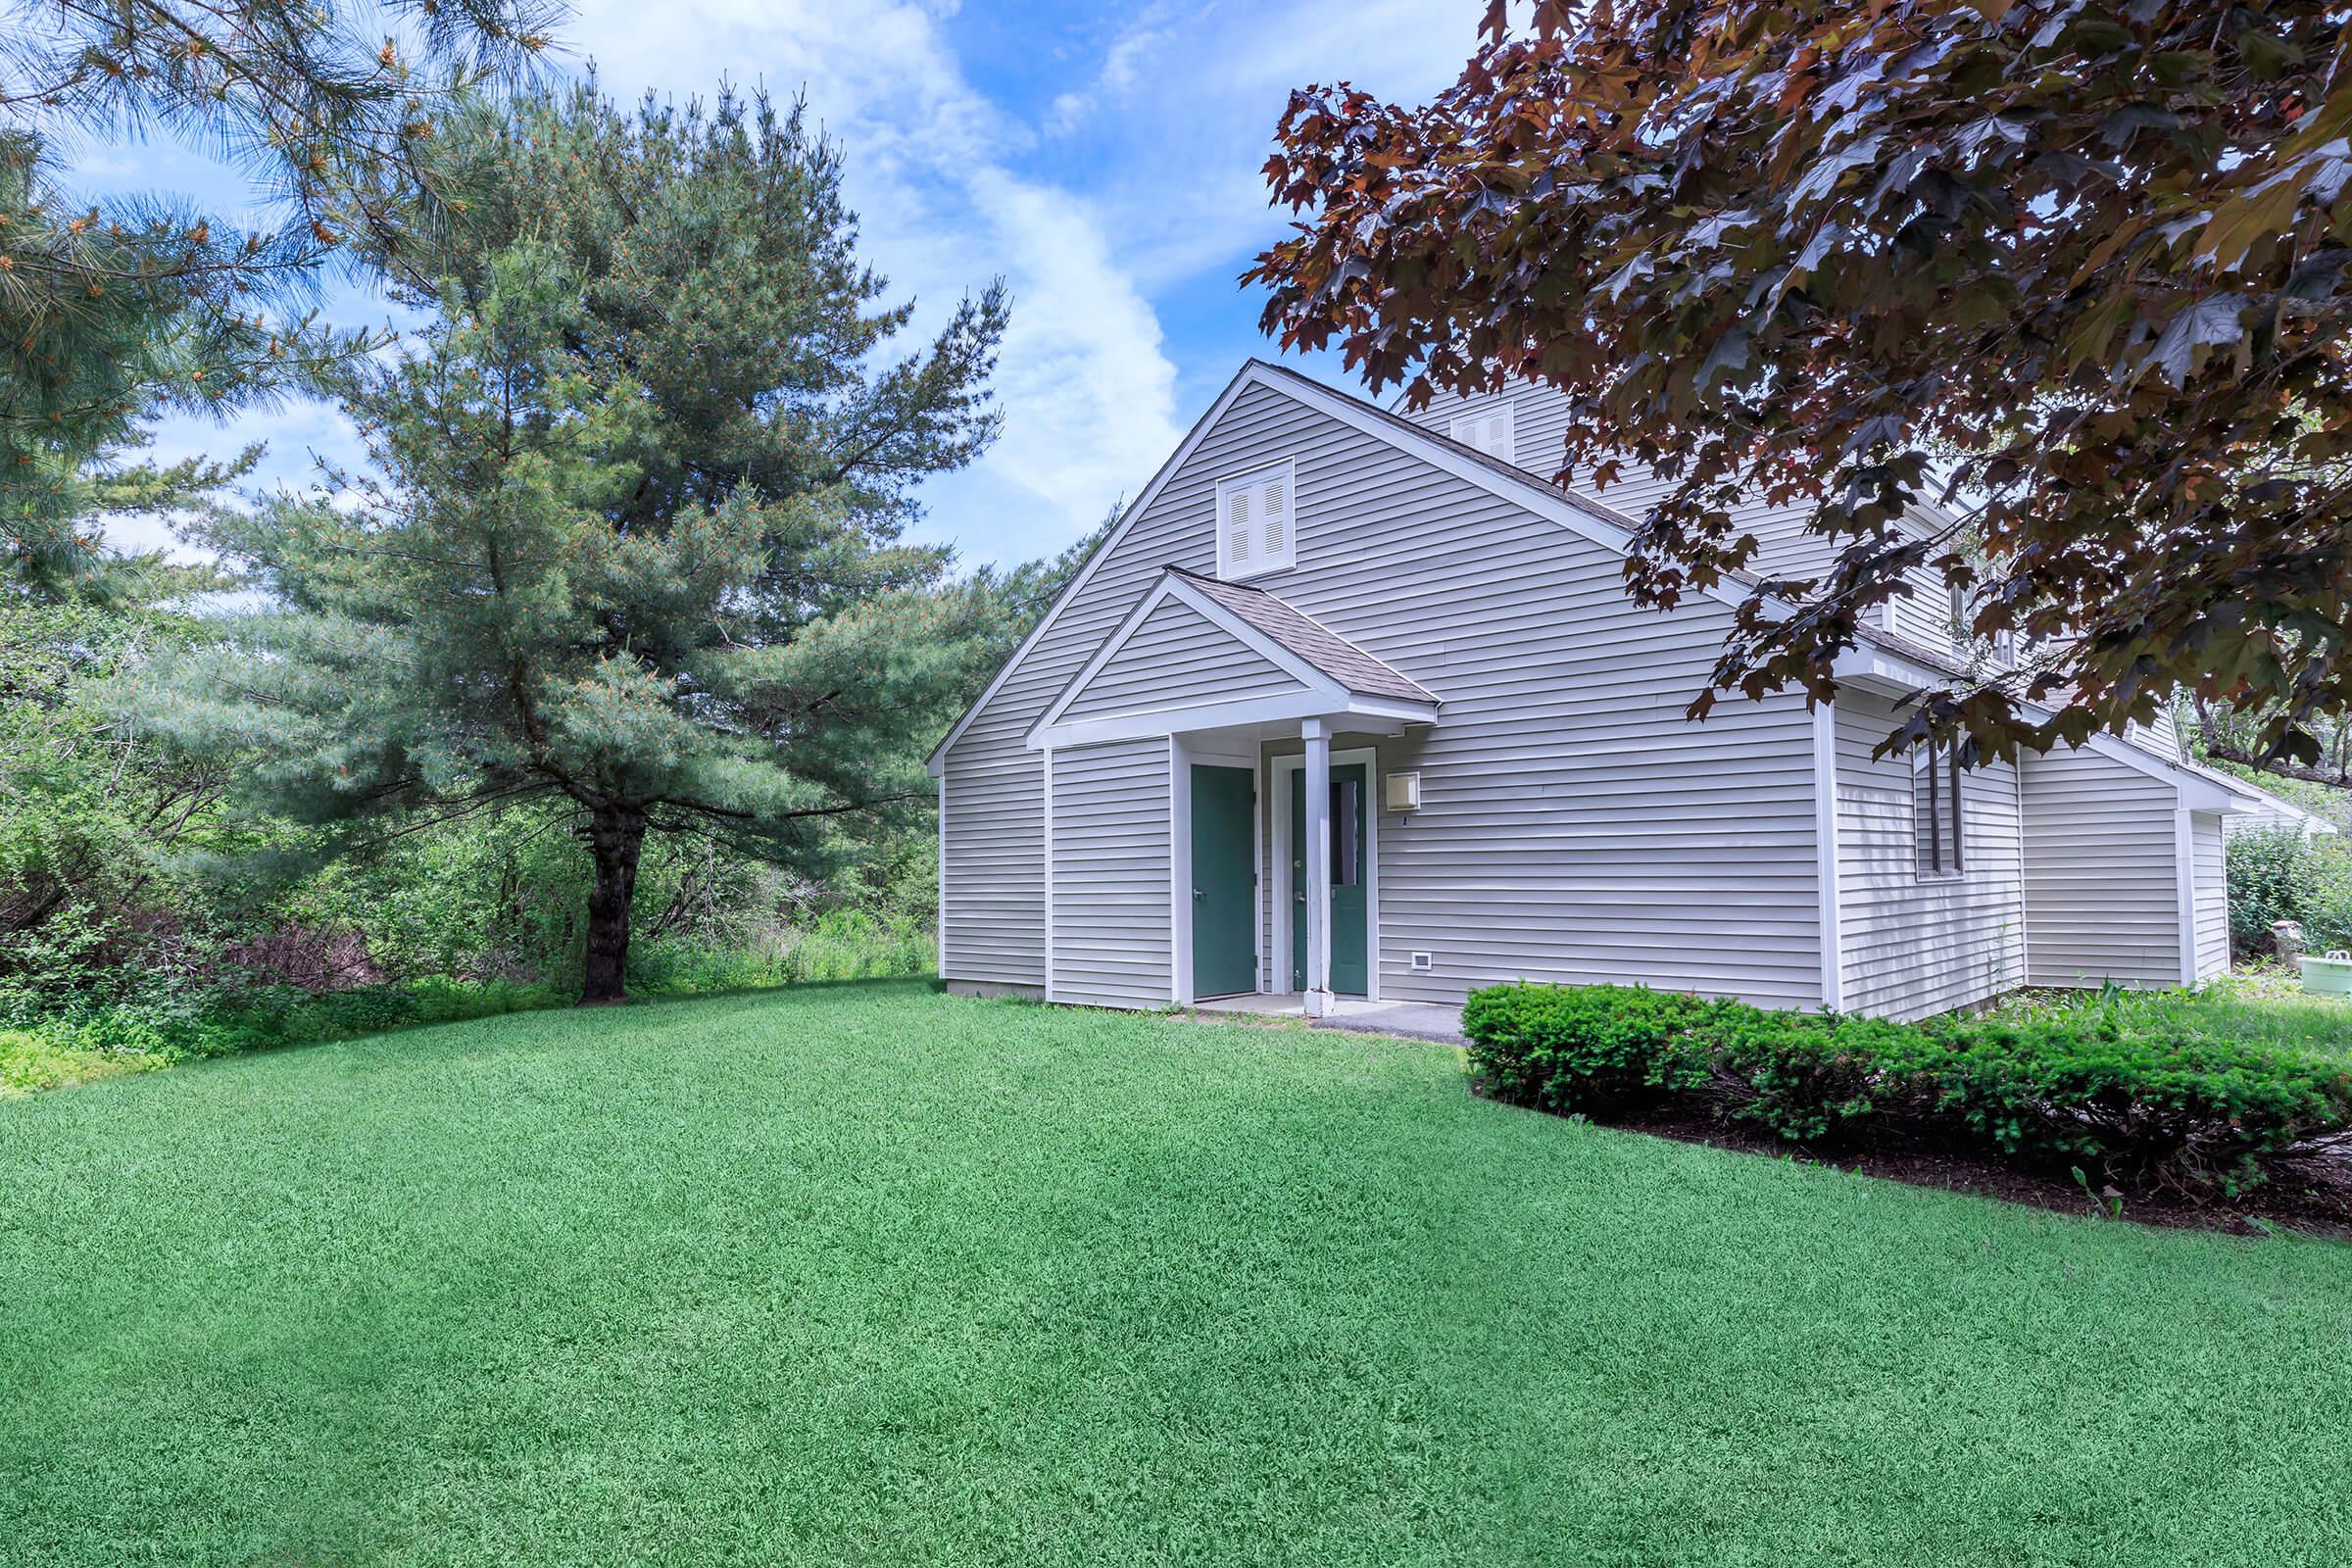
(2316, 1201)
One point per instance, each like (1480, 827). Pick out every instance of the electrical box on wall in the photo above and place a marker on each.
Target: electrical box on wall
(1423, 961)
(1403, 792)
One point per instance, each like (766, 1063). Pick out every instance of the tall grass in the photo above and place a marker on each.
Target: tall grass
(2261, 1008)
(841, 945)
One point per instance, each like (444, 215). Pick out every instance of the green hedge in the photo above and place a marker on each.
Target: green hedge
(2138, 1109)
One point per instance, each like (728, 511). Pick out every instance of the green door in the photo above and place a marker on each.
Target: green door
(1350, 796)
(1224, 883)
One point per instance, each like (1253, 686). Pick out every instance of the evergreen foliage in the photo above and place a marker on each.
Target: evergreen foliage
(114, 312)
(631, 538)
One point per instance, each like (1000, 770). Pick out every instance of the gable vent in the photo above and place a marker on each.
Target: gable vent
(1493, 431)
(1257, 532)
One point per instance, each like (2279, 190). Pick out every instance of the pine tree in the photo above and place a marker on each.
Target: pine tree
(112, 312)
(632, 536)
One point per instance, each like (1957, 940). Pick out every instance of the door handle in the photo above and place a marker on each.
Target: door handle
(1198, 893)
(1298, 897)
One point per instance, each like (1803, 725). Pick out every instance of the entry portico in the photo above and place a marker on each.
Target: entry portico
(1219, 675)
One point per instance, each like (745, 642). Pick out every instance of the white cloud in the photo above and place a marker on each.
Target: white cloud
(1131, 176)
(1121, 70)
(1194, 128)
(1086, 390)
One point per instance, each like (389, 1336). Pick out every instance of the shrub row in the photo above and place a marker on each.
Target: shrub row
(2136, 1109)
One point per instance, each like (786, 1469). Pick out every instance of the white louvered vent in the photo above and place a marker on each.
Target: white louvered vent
(1237, 533)
(1257, 531)
(1492, 431)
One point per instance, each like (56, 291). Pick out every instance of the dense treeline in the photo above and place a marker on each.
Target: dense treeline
(607, 669)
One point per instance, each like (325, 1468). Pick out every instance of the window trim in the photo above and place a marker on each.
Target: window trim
(1260, 564)
(1508, 408)
(1945, 812)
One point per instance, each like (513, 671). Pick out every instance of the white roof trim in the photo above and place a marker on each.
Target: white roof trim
(2197, 793)
(1170, 586)
(1378, 713)
(1587, 518)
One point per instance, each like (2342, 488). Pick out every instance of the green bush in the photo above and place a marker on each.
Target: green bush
(2137, 1108)
(2271, 873)
(2276, 874)
(76, 1047)
(1586, 1047)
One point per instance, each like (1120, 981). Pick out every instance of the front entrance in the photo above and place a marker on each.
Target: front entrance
(1349, 797)
(1224, 881)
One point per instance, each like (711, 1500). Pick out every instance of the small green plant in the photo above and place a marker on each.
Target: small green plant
(2106, 1202)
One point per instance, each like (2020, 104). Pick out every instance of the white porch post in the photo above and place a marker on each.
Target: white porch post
(1317, 854)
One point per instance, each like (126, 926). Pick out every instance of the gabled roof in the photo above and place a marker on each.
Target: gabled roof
(2259, 799)
(1326, 649)
(1882, 652)
(1327, 674)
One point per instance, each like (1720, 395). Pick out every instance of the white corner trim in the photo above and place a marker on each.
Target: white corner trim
(1824, 808)
(2025, 930)
(1180, 873)
(1049, 873)
(2185, 875)
(940, 937)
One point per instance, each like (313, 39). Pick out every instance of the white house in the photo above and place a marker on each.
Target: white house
(1351, 705)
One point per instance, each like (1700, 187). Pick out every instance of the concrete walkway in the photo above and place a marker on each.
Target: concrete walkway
(1413, 1020)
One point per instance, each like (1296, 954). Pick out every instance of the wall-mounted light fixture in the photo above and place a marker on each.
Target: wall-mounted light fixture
(1401, 791)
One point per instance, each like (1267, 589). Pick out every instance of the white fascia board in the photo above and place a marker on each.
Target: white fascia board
(1328, 692)
(937, 762)
(1544, 500)
(2196, 793)
(1284, 709)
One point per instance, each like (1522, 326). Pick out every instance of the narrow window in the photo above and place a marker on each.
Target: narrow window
(1344, 804)
(1938, 823)
(1257, 527)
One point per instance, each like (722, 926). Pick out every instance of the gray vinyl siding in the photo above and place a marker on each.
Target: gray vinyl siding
(1540, 420)
(1175, 659)
(1112, 946)
(1924, 613)
(992, 917)
(1915, 946)
(1575, 826)
(2211, 889)
(2101, 899)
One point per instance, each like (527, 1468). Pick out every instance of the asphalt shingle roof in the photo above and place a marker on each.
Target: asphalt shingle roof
(1329, 651)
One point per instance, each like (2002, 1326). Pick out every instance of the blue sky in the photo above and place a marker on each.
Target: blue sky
(1103, 158)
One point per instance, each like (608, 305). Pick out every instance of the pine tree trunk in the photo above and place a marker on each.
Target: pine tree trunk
(615, 836)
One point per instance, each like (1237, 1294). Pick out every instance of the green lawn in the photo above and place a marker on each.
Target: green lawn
(2263, 1007)
(874, 1275)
